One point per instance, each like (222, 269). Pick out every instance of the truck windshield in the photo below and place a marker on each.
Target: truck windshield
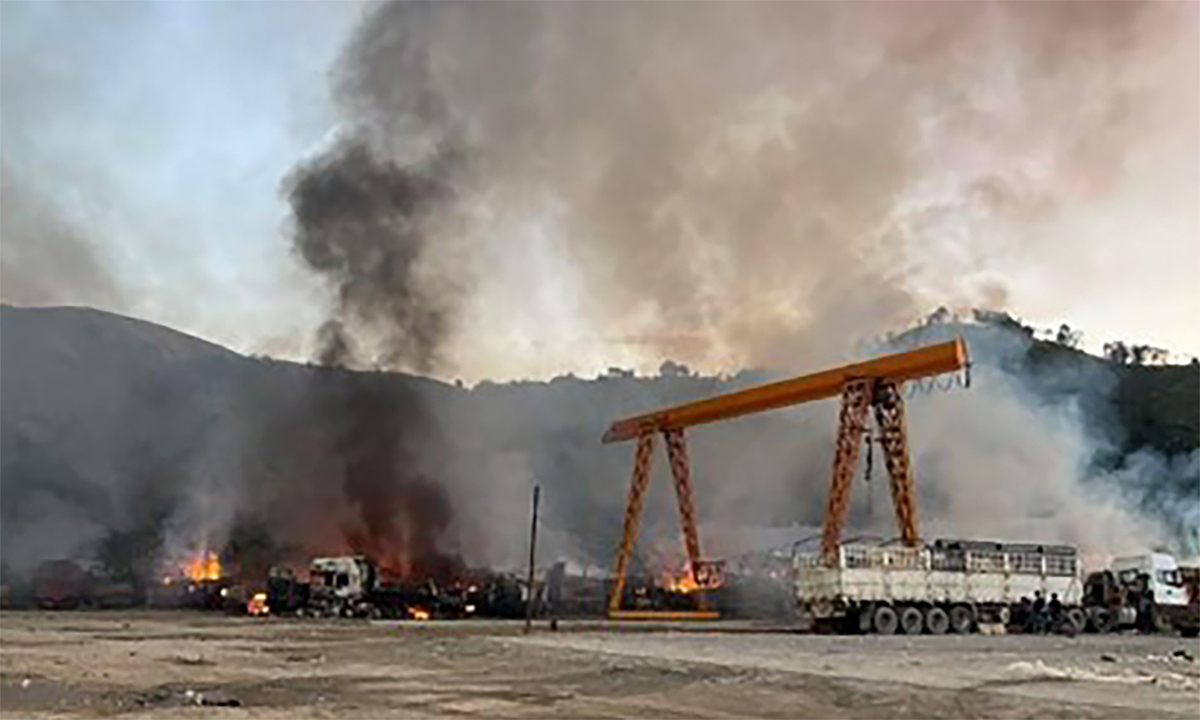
(1170, 577)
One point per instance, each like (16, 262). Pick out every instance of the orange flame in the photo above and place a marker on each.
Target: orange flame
(417, 613)
(257, 606)
(205, 566)
(684, 582)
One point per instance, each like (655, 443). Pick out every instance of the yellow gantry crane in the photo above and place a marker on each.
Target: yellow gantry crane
(877, 384)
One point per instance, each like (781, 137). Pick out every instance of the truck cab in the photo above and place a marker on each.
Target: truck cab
(340, 585)
(1162, 573)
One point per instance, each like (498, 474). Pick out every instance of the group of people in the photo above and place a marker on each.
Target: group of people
(1040, 617)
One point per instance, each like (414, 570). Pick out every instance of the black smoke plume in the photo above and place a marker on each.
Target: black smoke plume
(360, 224)
(362, 212)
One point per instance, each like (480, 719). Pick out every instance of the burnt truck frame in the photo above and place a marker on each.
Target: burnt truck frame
(352, 586)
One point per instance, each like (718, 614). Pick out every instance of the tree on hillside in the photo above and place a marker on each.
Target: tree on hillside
(1129, 354)
(1002, 320)
(670, 368)
(939, 316)
(1068, 337)
(1117, 352)
(1149, 355)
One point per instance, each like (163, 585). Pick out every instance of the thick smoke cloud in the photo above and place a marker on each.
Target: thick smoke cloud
(360, 223)
(775, 180)
(776, 183)
(364, 213)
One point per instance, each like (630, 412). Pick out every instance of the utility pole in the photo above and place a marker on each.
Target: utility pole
(532, 550)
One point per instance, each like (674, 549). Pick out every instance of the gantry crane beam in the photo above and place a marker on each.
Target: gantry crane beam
(876, 384)
(924, 362)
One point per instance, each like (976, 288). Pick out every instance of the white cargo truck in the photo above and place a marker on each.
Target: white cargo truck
(947, 586)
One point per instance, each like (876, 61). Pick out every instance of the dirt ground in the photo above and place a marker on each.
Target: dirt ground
(156, 664)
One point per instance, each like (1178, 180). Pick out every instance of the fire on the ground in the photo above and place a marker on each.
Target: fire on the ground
(257, 606)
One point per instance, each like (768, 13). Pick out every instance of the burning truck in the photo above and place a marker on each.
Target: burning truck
(199, 582)
(356, 586)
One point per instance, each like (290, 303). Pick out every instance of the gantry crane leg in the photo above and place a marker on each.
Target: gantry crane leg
(887, 399)
(856, 399)
(681, 474)
(633, 515)
(893, 436)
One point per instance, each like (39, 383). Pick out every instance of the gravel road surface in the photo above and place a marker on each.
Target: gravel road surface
(156, 664)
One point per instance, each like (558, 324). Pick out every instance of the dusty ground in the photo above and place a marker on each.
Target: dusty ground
(193, 665)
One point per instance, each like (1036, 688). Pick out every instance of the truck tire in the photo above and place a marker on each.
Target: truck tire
(1190, 632)
(962, 619)
(911, 621)
(937, 622)
(1075, 620)
(1160, 622)
(884, 620)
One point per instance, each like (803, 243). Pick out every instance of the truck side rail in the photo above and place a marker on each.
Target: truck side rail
(982, 561)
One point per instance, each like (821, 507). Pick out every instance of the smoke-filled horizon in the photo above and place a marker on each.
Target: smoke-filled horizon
(282, 463)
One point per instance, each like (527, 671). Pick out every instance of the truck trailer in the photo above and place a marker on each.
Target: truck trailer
(947, 586)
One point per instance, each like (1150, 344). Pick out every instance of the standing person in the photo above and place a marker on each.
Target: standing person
(1145, 605)
(1024, 619)
(1039, 612)
(1055, 608)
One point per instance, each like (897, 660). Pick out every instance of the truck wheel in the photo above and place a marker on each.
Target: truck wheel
(885, 620)
(962, 620)
(1190, 632)
(937, 622)
(1076, 620)
(911, 621)
(1162, 623)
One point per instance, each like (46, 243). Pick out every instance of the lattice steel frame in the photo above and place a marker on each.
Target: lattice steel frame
(856, 398)
(893, 437)
(681, 474)
(887, 399)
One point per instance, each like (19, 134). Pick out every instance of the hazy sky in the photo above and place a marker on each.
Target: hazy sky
(146, 143)
(161, 132)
